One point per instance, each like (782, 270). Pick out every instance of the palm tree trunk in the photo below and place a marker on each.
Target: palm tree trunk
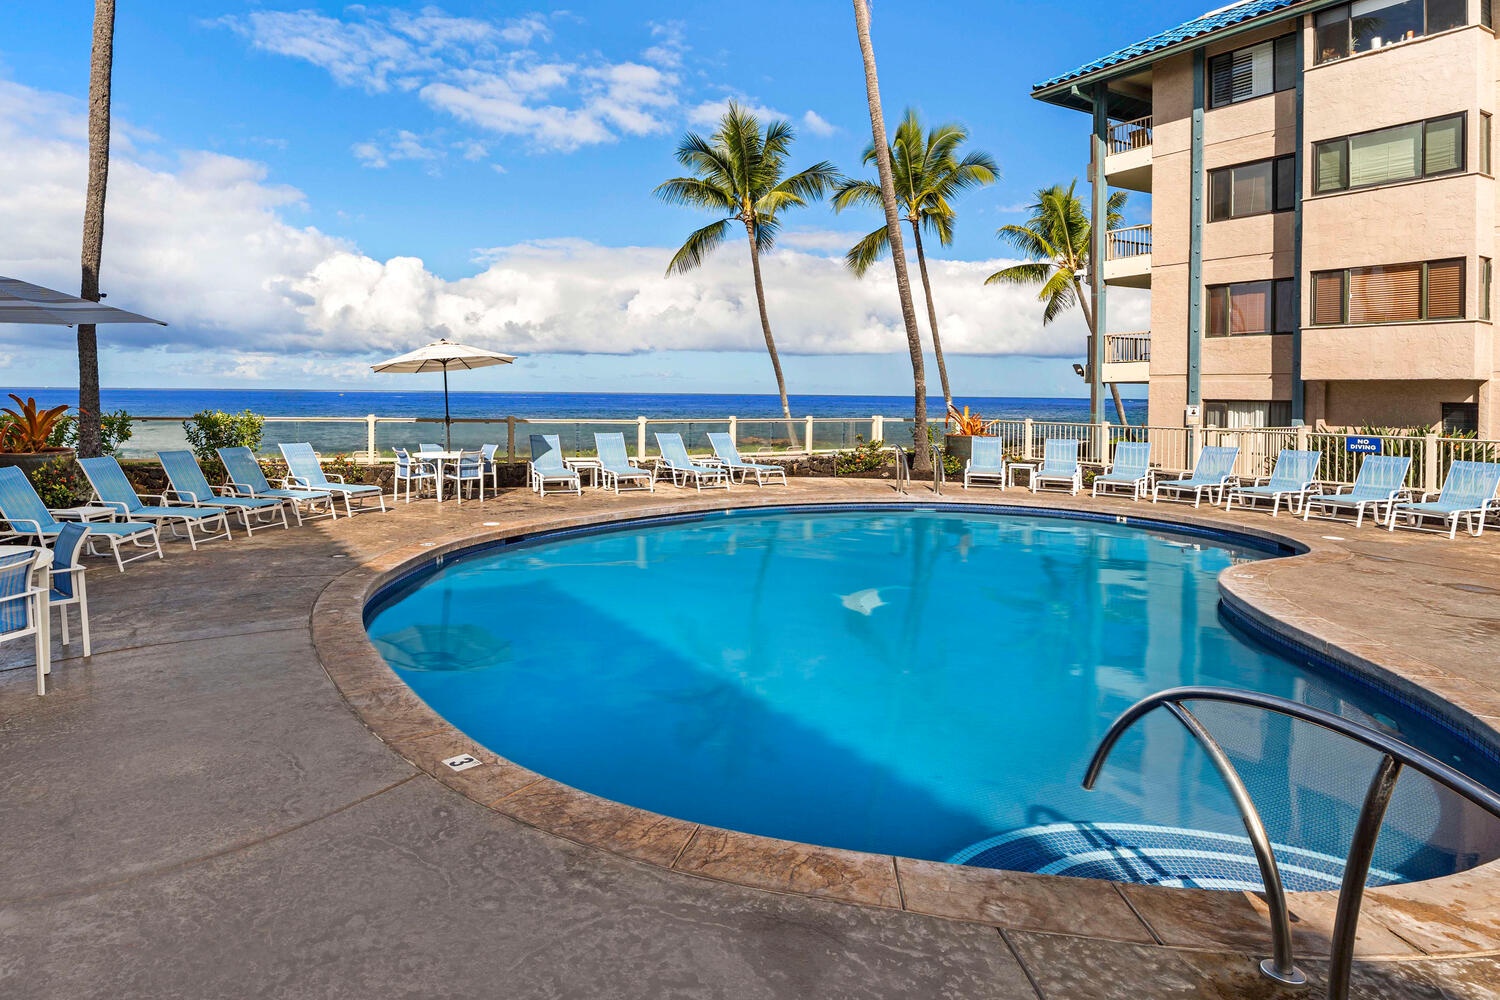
(921, 462)
(765, 326)
(90, 432)
(1088, 319)
(937, 343)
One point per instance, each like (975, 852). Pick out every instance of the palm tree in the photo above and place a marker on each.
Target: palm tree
(1056, 242)
(879, 145)
(928, 174)
(101, 62)
(737, 173)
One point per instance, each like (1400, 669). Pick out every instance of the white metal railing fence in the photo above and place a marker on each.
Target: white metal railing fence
(1128, 241)
(1120, 348)
(1125, 136)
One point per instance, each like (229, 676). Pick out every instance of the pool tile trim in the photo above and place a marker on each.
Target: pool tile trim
(1010, 901)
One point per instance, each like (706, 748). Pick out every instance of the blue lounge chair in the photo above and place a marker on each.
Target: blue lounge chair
(1291, 478)
(1468, 492)
(1211, 476)
(191, 486)
(615, 466)
(1059, 465)
(247, 479)
(304, 469)
(1131, 469)
(729, 457)
(23, 515)
(114, 490)
(986, 462)
(69, 588)
(675, 460)
(1381, 482)
(547, 466)
(20, 608)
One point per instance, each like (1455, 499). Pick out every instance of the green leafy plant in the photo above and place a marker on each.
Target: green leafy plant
(28, 427)
(209, 430)
(864, 457)
(60, 483)
(116, 428)
(953, 465)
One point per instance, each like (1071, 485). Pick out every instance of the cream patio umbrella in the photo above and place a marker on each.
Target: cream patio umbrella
(444, 356)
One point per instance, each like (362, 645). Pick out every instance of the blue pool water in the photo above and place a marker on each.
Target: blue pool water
(900, 681)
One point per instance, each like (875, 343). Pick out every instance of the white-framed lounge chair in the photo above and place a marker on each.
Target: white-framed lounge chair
(491, 467)
(190, 485)
(410, 470)
(986, 464)
(1129, 470)
(247, 479)
(69, 589)
(1291, 479)
(20, 608)
(547, 466)
(1381, 482)
(22, 514)
(676, 462)
(615, 466)
(1059, 465)
(1210, 476)
(729, 457)
(1468, 492)
(114, 490)
(465, 472)
(304, 469)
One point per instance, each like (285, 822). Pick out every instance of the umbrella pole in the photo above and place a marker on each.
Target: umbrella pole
(447, 419)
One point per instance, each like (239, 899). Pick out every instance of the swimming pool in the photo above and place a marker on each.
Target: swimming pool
(926, 683)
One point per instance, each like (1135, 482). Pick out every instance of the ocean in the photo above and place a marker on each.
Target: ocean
(556, 405)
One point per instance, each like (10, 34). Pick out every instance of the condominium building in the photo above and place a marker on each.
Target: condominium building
(1323, 213)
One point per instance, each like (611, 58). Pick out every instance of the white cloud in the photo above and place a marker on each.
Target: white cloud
(709, 112)
(208, 244)
(670, 44)
(402, 144)
(817, 124)
(483, 73)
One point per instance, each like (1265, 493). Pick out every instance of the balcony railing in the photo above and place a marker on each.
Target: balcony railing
(1125, 136)
(1131, 241)
(1120, 348)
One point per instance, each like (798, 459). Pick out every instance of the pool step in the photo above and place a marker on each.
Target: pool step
(1154, 855)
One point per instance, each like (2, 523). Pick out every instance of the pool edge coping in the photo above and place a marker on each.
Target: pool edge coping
(1007, 900)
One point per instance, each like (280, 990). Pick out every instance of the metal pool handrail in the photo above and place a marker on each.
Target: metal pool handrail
(938, 472)
(1395, 755)
(903, 471)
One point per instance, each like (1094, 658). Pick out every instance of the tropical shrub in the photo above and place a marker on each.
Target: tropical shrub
(209, 430)
(115, 428)
(864, 457)
(28, 427)
(965, 422)
(60, 483)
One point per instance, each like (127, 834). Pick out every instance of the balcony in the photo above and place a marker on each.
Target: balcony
(1127, 258)
(1127, 358)
(1127, 155)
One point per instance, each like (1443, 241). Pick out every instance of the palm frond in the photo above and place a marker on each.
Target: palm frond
(695, 192)
(1029, 273)
(850, 193)
(1058, 295)
(863, 255)
(698, 246)
(1030, 241)
(767, 229)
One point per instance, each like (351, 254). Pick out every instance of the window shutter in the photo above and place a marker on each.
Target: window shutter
(1393, 154)
(1385, 294)
(1445, 145)
(1330, 165)
(1328, 297)
(1445, 289)
(1221, 82)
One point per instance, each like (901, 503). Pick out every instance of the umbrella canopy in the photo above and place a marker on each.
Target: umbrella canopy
(23, 302)
(443, 356)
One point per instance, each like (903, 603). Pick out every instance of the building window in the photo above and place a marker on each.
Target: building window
(1486, 284)
(1252, 188)
(1390, 155)
(1373, 24)
(1252, 307)
(1486, 14)
(1392, 293)
(1486, 137)
(1231, 413)
(1253, 71)
(1460, 418)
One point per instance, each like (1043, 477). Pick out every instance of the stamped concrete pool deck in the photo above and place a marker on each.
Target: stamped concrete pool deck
(204, 809)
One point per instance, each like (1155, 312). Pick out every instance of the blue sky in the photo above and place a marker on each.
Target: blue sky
(302, 189)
